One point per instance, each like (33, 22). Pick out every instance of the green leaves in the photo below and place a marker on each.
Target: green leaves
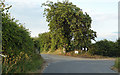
(105, 48)
(45, 41)
(15, 37)
(67, 21)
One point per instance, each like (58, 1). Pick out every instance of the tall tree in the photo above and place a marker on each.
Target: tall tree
(67, 22)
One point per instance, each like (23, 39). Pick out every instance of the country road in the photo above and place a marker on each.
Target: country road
(66, 64)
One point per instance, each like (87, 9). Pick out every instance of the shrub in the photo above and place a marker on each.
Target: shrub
(17, 45)
(104, 47)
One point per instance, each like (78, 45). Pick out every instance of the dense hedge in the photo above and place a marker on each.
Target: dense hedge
(105, 48)
(15, 38)
(17, 45)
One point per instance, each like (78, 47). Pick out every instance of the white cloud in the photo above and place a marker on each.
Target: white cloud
(105, 16)
(109, 36)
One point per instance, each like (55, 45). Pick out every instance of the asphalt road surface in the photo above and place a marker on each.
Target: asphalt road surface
(66, 64)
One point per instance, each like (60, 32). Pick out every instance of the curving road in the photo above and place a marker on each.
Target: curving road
(66, 64)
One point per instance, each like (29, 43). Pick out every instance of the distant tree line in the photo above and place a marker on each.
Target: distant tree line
(102, 47)
(106, 48)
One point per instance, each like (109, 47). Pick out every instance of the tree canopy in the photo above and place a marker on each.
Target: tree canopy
(68, 23)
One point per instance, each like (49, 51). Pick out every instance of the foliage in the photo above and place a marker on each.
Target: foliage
(10, 62)
(45, 41)
(21, 63)
(105, 48)
(118, 47)
(36, 45)
(17, 45)
(67, 22)
(15, 38)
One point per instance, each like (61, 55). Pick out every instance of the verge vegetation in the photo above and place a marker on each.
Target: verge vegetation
(117, 64)
(17, 45)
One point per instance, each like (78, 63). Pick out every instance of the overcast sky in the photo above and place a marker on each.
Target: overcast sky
(104, 14)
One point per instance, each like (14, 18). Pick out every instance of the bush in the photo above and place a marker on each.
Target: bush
(15, 38)
(104, 48)
(17, 45)
(118, 47)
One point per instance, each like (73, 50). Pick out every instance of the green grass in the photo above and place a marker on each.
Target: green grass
(37, 63)
(34, 64)
(26, 66)
(117, 64)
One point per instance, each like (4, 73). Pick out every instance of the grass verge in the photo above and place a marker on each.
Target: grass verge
(83, 54)
(36, 64)
(117, 65)
(23, 65)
